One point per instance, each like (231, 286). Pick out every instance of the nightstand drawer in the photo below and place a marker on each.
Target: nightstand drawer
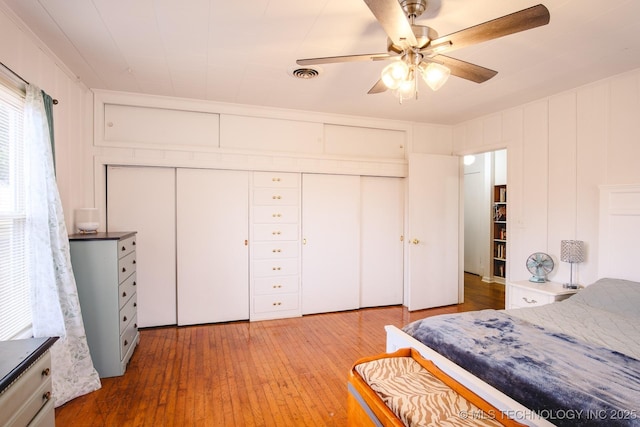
(528, 298)
(127, 289)
(126, 246)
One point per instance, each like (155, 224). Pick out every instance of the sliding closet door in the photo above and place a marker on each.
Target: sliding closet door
(381, 247)
(142, 199)
(213, 256)
(331, 243)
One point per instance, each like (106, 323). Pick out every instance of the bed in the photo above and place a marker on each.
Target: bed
(572, 362)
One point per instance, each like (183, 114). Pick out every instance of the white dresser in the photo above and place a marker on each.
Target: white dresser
(25, 383)
(529, 294)
(104, 265)
(275, 246)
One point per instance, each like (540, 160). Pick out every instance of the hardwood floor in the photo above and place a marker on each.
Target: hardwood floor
(289, 372)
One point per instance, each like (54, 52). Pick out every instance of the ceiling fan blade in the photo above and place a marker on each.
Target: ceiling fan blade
(379, 87)
(526, 19)
(393, 20)
(465, 70)
(346, 58)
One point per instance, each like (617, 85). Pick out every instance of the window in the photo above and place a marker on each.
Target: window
(15, 310)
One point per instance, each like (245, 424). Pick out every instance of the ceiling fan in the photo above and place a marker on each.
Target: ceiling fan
(417, 49)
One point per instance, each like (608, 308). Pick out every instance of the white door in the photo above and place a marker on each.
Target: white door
(331, 243)
(213, 259)
(381, 246)
(142, 199)
(433, 231)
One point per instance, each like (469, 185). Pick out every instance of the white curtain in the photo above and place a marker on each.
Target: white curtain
(54, 296)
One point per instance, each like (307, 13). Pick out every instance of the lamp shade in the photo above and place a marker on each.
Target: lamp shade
(572, 251)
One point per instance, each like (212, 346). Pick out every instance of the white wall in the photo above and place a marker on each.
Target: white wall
(560, 149)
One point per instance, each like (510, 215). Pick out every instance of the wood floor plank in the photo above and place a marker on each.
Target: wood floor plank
(285, 372)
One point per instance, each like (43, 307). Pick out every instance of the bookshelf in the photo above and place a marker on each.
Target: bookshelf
(499, 233)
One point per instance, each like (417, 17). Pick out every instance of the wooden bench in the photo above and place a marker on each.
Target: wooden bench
(404, 389)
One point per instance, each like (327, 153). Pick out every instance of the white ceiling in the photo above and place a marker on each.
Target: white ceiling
(243, 51)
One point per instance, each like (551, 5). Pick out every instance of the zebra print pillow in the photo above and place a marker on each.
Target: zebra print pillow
(417, 397)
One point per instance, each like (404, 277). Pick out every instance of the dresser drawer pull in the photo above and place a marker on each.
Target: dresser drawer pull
(276, 197)
(126, 343)
(276, 233)
(529, 301)
(133, 243)
(135, 304)
(46, 396)
(124, 319)
(275, 179)
(276, 251)
(277, 286)
(277, 268)
(134, 283)
(277, 303)
(124, 269)
(46, 372)
(134, 262)
(124, 294)
(276, 215)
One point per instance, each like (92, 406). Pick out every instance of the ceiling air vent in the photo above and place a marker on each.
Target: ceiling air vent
(305, 73)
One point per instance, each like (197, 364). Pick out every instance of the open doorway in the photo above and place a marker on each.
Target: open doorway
(484, 175)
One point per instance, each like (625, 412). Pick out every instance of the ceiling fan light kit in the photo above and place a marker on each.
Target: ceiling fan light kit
(416, 49)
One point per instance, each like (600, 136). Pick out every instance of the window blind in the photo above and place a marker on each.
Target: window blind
(15, 310)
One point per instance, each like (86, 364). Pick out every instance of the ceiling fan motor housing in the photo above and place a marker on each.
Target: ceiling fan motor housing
(413, 8)
(423, 34)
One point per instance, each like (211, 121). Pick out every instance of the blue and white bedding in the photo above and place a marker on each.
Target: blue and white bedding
(575, 362)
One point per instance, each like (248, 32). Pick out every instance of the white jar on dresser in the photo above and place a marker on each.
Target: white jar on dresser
(25, 383)
(275, 245)
(104, 265)
(529, 294)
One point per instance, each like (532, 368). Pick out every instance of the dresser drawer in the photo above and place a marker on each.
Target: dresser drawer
(275, 250)
(127, 289)
(128, 312)
(271, 303)
(275, 214)
(275, 285)
(275, 232)
(126, 246)
(23, 399)
(276, 179)
(271, 268)
(276, 196)
(46, 417)
(126, 266)
(127, 339)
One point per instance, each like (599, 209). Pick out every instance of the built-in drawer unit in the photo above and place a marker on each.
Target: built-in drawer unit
(104, 265)
(275, 245)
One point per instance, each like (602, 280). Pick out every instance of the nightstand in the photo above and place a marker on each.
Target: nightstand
(528, 294)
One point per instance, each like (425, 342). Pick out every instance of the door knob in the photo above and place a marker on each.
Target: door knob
(415, 241)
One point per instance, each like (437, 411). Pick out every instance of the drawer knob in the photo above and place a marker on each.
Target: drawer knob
(46, 372)
(277, 303)
(134, 261)
(135, 304)
(276, 251)
(276, 197)
(277, 268)
(133, 243)
(124, 269)
(276, 233)
(134, 283)
(126, 343)
(124, 319)
(124, 294)
(529, 301)
(275, 179)
(46, 396)
(276, 215)
(124, 248)
(277, 286)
